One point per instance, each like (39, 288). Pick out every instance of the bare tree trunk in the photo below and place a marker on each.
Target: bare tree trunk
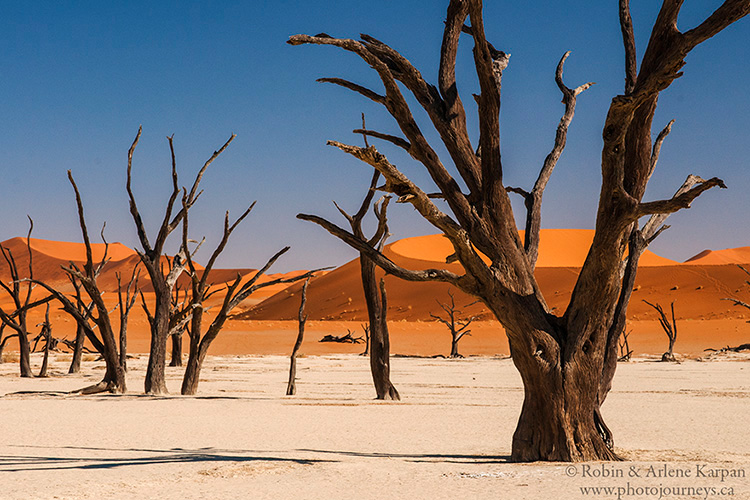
(75, 364)
(24, 351)
(377, 309)
(291, 387)
(176, 358)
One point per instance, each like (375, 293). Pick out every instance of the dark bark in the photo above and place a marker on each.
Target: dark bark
(46, 334)
(560, 358)
(151, 257)
(176, 351)
(125, 304)
(291, 386)
(75, 363)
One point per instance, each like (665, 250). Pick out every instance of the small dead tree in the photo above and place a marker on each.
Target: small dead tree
(566, 361)
(20, 292)
(125, 304)
(235, 293)
(625, 352)
(669, 328)
(291, 386)
(457, 324)
(151, 254)
(46, 334)
(366, 329)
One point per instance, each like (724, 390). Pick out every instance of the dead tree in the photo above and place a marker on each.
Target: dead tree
(114, 376)
(84, 309)
(178, 318)
(20, 291)
(625, 352)
(349, 338)
(46, 334)
(457, 325)
(125, 304)
(151, 254)
(291, 386)
(366, 329)
(379, 341)
(200, 290)
(669, 328)
(562, 359)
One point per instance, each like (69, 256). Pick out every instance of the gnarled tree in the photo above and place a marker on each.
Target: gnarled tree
(563, 359)
(151, 255)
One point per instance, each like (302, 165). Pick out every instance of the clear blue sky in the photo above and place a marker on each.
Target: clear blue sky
(78, 78)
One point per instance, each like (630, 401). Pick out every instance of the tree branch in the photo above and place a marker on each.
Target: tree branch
(628, 39)
(381, 260)
(373, 96)
(678, 202)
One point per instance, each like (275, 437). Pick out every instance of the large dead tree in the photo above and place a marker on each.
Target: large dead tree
(86, 278)
(201, 289)
(563, 359)
(151, 254)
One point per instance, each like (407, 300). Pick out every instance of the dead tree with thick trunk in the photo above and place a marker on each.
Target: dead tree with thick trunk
(562, 359)
(291, 386)
(125, 304)
(200, 289)
(457, 325)
(669, 328)
(151, 254)
(114, 376)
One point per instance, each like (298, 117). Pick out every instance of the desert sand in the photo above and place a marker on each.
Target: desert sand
(448, 438)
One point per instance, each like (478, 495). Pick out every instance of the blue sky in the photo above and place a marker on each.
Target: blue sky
(78, 78)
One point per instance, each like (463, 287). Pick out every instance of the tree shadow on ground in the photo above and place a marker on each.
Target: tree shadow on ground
(421, 457)
(17, 463)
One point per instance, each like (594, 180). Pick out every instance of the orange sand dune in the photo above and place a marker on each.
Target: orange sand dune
(557, 248)
(739, 255)
(696, 289)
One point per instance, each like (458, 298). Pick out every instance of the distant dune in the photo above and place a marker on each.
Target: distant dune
(739, 255)
(696, 286)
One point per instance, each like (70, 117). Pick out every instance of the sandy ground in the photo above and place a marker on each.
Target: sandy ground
(449, 437)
